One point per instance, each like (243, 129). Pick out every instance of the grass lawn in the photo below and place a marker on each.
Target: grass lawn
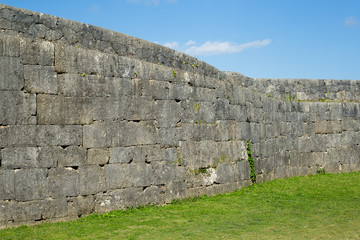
(324, 206)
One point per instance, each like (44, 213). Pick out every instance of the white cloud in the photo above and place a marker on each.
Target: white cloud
(173, 45)
(218, 48)
(191, 42)
(351, 21)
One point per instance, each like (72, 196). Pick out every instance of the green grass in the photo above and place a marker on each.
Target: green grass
(323, 206)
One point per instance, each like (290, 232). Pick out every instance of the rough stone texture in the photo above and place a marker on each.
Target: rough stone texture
(93, 120)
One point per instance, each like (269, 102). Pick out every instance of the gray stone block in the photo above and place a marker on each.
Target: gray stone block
(63, 182)
(130, 133)
(83, 85)
(36, 52)
(40, 79)
(55, 109)
(31, 184)
(9, 45)
(49, 156)
(98, 156)
(95, 135)
(17, 108)
(326, 127)
(71, 59)
(168, 113)
(128, 175)
(54, 135)
(163, 173)
(225, 173)
(54, 208)
(72, 156)
(11, 73)
(350, 109)
(14, 158)
(92, 179)
(7, 185)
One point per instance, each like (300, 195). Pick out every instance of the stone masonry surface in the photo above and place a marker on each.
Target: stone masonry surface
(93, 120)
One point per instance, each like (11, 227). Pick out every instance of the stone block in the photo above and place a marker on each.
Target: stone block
(72, 156)
(83, 85)
(14, 158)
(350, 109)
(98, 156)
(31, 184)
(139, 108)
(130, 133)
(54, 208)
(40, 79)
(128, 175)
(350, 125)
(95, 135)
(11, 73)
(55, 109)
(163, 172)
(153, 195)
(49, 156)
(17, 108)
(326, 127)
(175, 190)
(71, 59)
(225, 173)
(36, 52)
(17, 136)
(122, 154)
(9, 45)
(63, 182)
(54, 135)
(7, 185)
(168, 113)
(92, 179)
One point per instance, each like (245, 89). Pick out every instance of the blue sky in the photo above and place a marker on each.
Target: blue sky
(258, 38)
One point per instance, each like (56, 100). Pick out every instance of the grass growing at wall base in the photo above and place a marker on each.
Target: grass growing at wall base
(323, 206)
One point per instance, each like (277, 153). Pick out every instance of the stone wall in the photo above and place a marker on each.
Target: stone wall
(93, 120)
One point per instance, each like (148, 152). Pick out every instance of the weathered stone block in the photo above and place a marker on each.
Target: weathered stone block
(54, 208)
(92, 179)
(98, 156)
(9, 45)
(168, 113)
(163, 172)
(83, 85)
(31, 184)
(49, 156)
(326, 127)
(17, 136)
(17, 108)
(14, 158)
(54, 135)
(128, 175)
(36, 52)
(225, 173)
(72, 156)
(70, 59)
(95, 135)
(63, 182)
(55, 109)
(7, 185)
(130, 133)
(11, 73)
(40, 79)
